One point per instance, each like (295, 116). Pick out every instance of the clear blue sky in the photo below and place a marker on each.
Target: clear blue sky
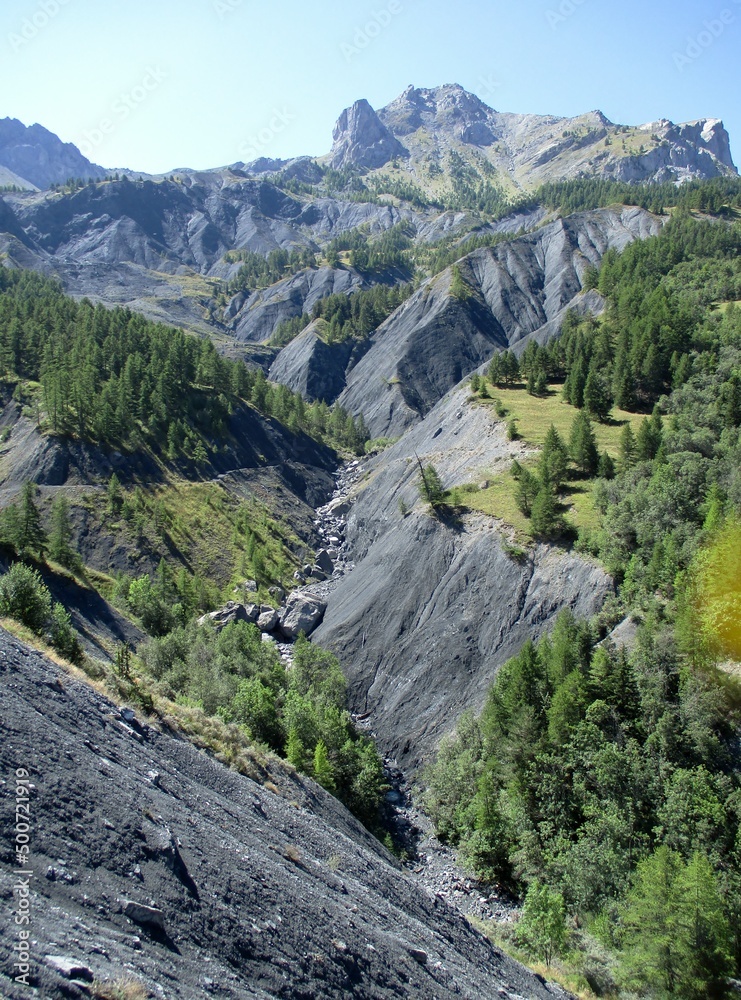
(202, 83)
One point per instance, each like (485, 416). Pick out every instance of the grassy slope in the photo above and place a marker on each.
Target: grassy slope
(534, 416)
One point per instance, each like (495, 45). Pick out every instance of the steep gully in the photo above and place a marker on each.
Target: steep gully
(431, 863)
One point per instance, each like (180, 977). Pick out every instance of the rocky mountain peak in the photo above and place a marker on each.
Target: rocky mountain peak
(40, 157)
(437, 109)
(361, 139)
(710, 133)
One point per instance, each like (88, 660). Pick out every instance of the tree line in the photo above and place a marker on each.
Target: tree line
(112, 376)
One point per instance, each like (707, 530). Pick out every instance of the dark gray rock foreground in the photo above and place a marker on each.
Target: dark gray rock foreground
(233, 890)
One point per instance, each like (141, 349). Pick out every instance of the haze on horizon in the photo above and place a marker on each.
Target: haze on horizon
(203, 83)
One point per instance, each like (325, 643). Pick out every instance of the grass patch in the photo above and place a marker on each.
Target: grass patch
(534, 415)
(564, 971)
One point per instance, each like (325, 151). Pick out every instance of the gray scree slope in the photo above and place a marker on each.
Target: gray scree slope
(257, 894)
(431, 609)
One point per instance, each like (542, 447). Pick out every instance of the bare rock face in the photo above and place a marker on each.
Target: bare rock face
(362, 140)
(514, 291)
(207, 881)
(311, 366)
(40, 157)
(534, 149)
(432, 609)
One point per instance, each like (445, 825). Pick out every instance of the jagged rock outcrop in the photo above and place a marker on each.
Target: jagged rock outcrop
(362, 140)
(182, 874)
(433, 608)
(511, 291)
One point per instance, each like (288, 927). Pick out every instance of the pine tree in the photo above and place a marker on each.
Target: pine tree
(606, 468)
(323, 770)
(60, 536)
(705, 932)
(495, 370)
(295, 751)
(597, 398)
(527, 489)
(546, 520)
(31, 535)
(553, 459)
(650, 924)
(627, 454)
(583, 444)
(430, 486)
(650, 436)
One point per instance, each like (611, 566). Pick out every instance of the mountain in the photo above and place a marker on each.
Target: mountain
(420, 130)
(40, 158)
(518, 425)
(438, 161)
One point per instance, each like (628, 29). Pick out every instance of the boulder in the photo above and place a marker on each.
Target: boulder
(302, 613)
(231, 612)
(253, 612)
(324, 561)
(69, 968)
(147, 916)
(268, 620)
(339, 507)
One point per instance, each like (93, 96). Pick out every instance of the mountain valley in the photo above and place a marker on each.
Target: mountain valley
(459, 401)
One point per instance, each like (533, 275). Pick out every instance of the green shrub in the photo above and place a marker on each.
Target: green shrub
(23, 596)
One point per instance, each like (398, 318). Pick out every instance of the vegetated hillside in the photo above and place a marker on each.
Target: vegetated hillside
(607, 770)
(169, 458)
(491, 300)
(155, 864)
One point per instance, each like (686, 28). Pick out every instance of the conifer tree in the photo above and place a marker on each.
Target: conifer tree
(553, 459)
(583, 444)
(60, 535)
(31, 536)
(627, 454)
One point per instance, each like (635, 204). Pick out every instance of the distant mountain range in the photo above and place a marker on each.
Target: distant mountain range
(413, 137)
(418, 130)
